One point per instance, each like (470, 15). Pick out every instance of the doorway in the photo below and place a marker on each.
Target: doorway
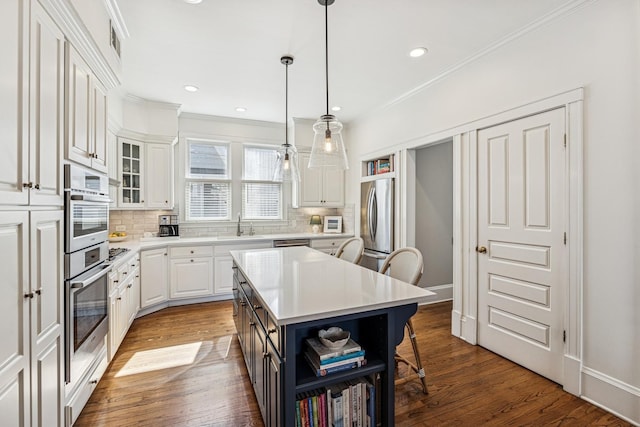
(434, 216)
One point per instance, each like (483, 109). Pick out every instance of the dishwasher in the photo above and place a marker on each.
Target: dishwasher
(285, 243)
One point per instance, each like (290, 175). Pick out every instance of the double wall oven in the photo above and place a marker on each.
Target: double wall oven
(86, 269)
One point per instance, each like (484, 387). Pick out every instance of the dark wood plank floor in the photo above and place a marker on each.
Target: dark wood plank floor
(468, 385)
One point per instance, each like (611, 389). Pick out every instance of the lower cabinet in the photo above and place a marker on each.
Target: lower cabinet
(154, 274)
(191, 270)
(329, 246)
(124, 301)
(224, 263)
(263, 361)
(31, 306)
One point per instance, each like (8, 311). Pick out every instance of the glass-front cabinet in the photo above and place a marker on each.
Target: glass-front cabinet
(131, 173)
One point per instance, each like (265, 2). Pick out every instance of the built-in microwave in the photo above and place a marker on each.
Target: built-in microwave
(86, 208)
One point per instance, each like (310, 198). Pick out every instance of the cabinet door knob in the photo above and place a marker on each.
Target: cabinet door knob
(39, 291)
(29, 295)
(37, 186)
(93, 382)
(191, 260)
(119, 298)
(130, 285)
(257, 307)
(27, 185)
(191, 251)
(115, 281)
(265, 355)
(272, 331)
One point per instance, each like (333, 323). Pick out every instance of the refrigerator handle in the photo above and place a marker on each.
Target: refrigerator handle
(370, 212)
(374, 213)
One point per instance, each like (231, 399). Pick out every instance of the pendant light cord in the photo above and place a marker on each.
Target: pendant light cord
(326, 51)
(286, 103)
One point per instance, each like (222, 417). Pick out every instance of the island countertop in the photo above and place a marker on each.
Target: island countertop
(299, 284)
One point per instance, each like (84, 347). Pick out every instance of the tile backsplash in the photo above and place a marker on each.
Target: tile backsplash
(138, 222)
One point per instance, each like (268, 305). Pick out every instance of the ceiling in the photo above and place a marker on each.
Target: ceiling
(231, 49)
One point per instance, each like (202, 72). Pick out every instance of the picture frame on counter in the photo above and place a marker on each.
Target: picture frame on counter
(333, 224)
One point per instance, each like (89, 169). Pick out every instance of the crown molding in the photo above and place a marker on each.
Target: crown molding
(145, 137)
(222, 119)
(79, 36)
(116, 18)
(160, 105)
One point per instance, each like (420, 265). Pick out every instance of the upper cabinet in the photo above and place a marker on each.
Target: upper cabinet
(145, 172)
(31, 106)
(86, 114)
(319, 186)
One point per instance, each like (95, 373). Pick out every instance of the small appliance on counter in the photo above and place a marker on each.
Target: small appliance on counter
(168, 226)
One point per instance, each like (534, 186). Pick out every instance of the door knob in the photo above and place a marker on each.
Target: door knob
(481, 250)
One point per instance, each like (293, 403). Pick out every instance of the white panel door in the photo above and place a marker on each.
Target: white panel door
(47, 109)
(159, 182)
(14, 313)
(153, 274)
(310, 183)
(47, 314)
(14, 68)
(521, 267)
(333, 188)
(100, 118)
(191, 277)
(224, 275)
(79, 146)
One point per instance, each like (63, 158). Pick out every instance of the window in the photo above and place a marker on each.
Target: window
(207, 184)
(215, 192)
(261, 197)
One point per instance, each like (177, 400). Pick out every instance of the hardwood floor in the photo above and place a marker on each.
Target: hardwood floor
(173, 370)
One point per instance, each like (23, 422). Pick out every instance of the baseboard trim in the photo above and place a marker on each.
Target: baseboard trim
(571, 375)
(178, 302)
(612, 395)
(442, 293)
(456, 323)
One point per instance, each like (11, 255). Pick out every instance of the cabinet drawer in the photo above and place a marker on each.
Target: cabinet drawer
(326, 243)
(273, 332)
(81, 396)
(190, 251)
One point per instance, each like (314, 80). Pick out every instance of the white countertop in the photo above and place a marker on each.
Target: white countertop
(299, 284)
(155, 242)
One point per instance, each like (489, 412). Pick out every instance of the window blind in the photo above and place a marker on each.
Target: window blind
(208, 200)
(261, 200)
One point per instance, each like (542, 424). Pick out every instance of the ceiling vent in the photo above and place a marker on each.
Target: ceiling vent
(115, 40)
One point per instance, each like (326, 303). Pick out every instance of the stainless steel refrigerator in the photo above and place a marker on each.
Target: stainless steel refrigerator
(376, 221)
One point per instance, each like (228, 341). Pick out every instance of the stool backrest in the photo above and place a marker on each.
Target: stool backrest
(351, 250)
(404, 264)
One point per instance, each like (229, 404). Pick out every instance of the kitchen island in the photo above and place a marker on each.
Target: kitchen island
(284, 295)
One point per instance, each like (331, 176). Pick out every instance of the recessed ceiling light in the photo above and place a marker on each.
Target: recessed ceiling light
(417, 52)
(336, 108)
(241, 109)
(191, 88)
(193, 1)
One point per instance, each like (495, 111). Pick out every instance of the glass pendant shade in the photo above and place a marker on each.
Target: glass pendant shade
(328, 147)
(287, 164)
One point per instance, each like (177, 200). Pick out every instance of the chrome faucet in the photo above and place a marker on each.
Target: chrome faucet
(239, 231)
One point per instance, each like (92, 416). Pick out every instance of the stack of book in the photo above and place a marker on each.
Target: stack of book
(324, 360)
(353, 403)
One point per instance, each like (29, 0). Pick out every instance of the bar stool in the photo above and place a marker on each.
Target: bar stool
(406, 264)
(351, 250)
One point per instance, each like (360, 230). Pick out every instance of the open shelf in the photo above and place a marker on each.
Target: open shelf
(376, 168)
(307, 380)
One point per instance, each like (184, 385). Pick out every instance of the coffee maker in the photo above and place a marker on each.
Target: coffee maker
(168, 225)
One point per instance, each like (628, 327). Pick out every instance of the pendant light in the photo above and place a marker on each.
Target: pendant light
(328, 148)
(287, 160)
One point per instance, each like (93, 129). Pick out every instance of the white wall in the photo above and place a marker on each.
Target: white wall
(595, 47)
(434, 212)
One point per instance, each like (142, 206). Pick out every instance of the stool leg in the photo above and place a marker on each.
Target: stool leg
(414, 344)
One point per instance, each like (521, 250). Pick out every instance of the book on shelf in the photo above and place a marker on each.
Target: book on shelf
(332, 363)
(332, 360)
(315, 347)
(379, 166)
(321, 371)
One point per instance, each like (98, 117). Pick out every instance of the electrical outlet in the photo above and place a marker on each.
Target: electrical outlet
(121, 228)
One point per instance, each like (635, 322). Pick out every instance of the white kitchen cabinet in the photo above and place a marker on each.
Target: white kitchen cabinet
(329, 246)
(159, 178)
(32, 114)
(224, 264)
(31, 357)
(145, 172)
(154, 287)
(124, 300)
(86, 114)
(191, 271)
(320, 186)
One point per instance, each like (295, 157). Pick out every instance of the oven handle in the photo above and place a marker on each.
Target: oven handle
(86, 282)
(89, 198)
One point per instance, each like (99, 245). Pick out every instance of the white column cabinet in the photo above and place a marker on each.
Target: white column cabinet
(86, 114)
(191, 270)
(31, 357)
(319, 186)
(154, 273)
(31, 106)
